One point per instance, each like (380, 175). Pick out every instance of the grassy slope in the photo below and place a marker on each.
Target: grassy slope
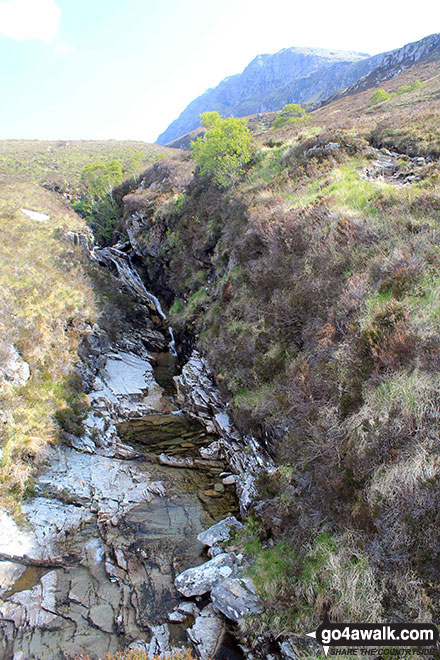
(314, 294)
(46, 295)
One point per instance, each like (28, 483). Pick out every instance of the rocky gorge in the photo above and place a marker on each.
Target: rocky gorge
(112, 549)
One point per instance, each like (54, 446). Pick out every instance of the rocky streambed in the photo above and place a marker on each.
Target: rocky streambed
(103, 554)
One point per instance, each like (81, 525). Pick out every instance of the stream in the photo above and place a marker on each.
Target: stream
(90, 566)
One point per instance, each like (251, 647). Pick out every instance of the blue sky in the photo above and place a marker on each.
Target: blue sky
(124, 69)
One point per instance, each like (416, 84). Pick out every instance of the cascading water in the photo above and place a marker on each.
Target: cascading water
(130, 277)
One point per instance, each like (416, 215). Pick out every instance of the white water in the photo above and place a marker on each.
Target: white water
(132, 280)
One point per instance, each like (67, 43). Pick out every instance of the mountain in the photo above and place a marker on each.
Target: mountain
(298, 75)
(393, 64)
(271, 81)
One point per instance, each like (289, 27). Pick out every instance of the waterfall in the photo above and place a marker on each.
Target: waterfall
(131, 279)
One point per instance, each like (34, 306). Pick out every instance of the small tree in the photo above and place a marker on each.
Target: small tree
(97, 205)
(290, 114)
(100, 178)
(224, 150)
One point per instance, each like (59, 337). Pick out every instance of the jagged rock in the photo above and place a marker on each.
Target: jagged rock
(270, 81)
(201, 579)
(207, 633)
(199, 395)
(188, 462)
(13, 369)
(236, 598)
(160, 642)
(34, 608)
(183, 611)
(288, 651)
(213, 451)
(220, 532)
(154, 340)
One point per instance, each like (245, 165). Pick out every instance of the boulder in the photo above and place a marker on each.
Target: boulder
(183, 611)
(236, 598)
(201, 579)
(220, 532)
(207, 633)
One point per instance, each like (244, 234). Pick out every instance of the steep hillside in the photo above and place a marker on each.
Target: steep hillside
(48, 297)
(425, 51)
(311, 286)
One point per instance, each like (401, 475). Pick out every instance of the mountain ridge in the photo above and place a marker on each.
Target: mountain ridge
(314, 75)
(265, 83)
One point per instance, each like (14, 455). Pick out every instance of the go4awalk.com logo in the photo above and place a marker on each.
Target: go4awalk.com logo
(358, 635)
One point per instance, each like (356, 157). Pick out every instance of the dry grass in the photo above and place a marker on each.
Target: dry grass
(143, 655)
(46, 297)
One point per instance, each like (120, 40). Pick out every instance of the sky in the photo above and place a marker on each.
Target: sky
(124, 69)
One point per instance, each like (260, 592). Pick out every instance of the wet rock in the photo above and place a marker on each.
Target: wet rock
(155, 340)
(220, 532)
(188, 462)
(211, 493)
(212, 451)
(197, 392)
(34, 608)
(236, 598)
(207, 633)
(229, 481)
(201, 579)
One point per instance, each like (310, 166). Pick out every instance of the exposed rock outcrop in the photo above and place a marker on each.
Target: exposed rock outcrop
(201, 398)
(236, 598)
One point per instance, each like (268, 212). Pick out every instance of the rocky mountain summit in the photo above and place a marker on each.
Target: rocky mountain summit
(298, 75)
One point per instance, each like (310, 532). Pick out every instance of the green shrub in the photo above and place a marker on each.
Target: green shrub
(290, 114)
(404, 89)
(225, 149)
(378, 96)
(97, 205)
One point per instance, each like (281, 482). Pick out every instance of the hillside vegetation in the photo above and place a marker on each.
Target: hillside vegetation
(312, 287)
(58, 165)
(48, 296)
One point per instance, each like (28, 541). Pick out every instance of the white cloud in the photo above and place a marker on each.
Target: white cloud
(30, 19)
